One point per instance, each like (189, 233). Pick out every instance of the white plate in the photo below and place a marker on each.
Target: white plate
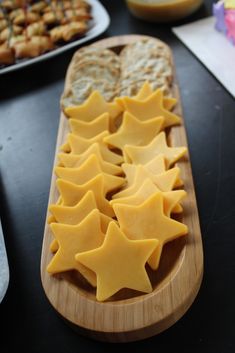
(4, 269)
(100, 23)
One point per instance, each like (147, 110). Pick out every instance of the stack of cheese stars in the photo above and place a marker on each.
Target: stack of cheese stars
(117, 192)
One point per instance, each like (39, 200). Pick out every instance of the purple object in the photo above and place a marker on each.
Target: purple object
(219, 13)
(230, 24)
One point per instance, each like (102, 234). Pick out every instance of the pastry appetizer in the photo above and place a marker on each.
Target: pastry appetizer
(7, 56)
(31, 28)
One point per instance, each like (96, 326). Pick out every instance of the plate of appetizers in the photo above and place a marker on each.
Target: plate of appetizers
(122, 254)
(32, 31)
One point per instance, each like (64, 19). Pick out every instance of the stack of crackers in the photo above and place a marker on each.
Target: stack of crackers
(118, 75)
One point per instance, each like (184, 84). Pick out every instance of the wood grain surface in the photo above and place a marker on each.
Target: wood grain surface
(131, 316)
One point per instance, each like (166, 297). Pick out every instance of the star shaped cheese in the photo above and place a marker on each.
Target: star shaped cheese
(157, 165)
(143, 154)
(78, 145)
(71, 194)
(150, 108)
(164, 181)
(119, 263)
(145, 92)
(70, 160)
(75, 214)
(171, 199)
(134, 132)
(71, 215)
(91, 128)
(148, 221)
(94, 106)
(88, 170)
(72, 239)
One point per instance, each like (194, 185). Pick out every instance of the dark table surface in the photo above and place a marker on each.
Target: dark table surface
(29, 117)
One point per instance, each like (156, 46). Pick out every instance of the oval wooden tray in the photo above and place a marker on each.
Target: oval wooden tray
(132, 316)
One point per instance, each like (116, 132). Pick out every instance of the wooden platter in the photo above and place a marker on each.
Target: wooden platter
(130, 315)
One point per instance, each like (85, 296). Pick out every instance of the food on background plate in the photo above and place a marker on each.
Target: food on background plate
(31, 28)
(141, 203)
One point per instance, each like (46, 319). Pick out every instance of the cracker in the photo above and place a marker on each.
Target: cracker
(96, 69)
(145, 60)
(112, 75)
(94, 53)
(81, 89)
(144, 48)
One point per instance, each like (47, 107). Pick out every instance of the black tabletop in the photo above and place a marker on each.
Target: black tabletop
(29, 117)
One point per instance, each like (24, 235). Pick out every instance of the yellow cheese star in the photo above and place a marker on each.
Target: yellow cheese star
(134, 132)
(91, 128)
(70, 160)
(150, 108)
(144, 93)
(71, 194)
(71, 215)
(143, 154)
(75, 214)
(79, 145)
(88, 170)
(157, 165)
(94, 106)
(148, 221)
(171, 199)
(164, 181)
(72, 239)
(119, 263)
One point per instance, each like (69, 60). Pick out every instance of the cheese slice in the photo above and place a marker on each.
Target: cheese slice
(143, 154)
(71, 194)
(75, 214)
(134, 132)
(75, 160)
(105, 220)
(150, 108)
(119, 263)
(72, 239)
(88, 170)
(91, 128)
(171, 199)
(93, 107)
(164, 181)
(157, 165)
(145, 92)
(148, 221)
(79, 145)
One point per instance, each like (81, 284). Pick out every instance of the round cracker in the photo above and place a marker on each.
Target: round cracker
(96, 70)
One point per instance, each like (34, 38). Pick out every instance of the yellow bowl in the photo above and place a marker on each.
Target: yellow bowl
(163, 10)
